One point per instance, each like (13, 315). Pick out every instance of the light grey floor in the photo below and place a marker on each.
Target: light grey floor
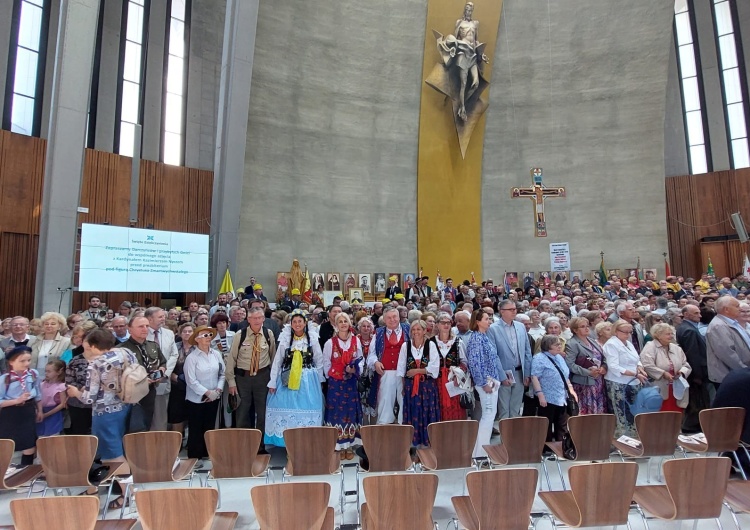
(235, 496)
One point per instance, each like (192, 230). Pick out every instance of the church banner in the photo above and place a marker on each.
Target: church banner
(559, 257)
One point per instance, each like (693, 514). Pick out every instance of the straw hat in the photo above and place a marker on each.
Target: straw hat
(198, 331)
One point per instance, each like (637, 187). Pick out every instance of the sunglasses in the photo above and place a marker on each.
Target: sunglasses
(204, 335)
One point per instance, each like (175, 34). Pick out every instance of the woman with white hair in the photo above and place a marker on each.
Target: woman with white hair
(452, 354)
(50, 344)
(551, 327)
(665, 362)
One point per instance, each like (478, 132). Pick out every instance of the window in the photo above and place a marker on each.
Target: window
(132, 53)
(26, 63)
(173, 115)
(692, 88)
(732, 82)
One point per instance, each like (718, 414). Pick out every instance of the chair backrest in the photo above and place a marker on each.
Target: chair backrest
(291, 505)
(722, 427)
(6, 455)
(232, 451)
(66, 460)
(697, 486)
(592, 435)
(603, 491)
(404, 501)
(183, 508)
(523, 439)
(502, 498)
(453, 442)
(658, 432)
(151, 455)
(60, 513)
(387, 446)
(311, 450)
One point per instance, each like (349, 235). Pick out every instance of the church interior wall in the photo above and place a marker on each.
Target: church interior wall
(675, 146)
(594, 121)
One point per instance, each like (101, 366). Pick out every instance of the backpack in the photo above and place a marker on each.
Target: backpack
(133, 380)
(648, 399)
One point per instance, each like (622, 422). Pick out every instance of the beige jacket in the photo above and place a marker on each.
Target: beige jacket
(655, 359)
(61, 344)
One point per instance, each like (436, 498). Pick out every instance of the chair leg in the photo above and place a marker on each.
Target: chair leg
(356, 485)
(739, 465)
(453, 521)
(125, 498)
(44, 492)
(648, 470)
(342, 495)
(629, 527)
(559, 470)
(218, 488)
(634, 505)
(718, 523)
(695, 524)
(31, 488)
(734, 516)
(546, 476)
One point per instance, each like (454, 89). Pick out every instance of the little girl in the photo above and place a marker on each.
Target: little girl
(54, 398)
(21, 403)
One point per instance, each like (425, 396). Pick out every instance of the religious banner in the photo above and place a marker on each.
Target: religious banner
(559, 257)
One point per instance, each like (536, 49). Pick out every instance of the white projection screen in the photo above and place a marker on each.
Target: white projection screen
(122, 259)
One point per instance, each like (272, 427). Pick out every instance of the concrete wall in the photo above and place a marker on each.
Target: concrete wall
(675, 145)
(591, 115)
(330, 174)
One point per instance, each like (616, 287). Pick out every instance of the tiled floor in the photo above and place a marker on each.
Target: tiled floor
(236, 497)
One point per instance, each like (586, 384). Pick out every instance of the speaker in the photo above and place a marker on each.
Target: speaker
(739, 226)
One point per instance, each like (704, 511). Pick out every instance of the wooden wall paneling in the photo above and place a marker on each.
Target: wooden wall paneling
(18, 257)
(718, 253)
(21, 181)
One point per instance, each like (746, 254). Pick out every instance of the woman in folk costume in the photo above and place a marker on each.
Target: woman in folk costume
(419, 366)
(295, 398)
(367, 339)
(342, 359)
(452, 353)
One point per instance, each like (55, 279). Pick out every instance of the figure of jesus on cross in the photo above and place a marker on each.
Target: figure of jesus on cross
(538, 193)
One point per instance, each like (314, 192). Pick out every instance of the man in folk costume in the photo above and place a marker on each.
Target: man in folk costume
(387, 386)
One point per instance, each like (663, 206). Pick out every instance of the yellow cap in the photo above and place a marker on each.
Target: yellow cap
(386, 300)
(393, 278)
(257, 287)
(399, 296)
(295, 291)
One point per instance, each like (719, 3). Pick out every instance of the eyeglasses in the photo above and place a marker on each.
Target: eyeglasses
(509, 309)
(204, 335)
(445, 322)
(626, 331)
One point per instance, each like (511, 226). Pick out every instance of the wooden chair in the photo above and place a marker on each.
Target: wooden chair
(19, 478)
(293, 505)
(522, 443)
(62, 513)
(499, 499)
(66, 461)
(451, 445)
(399, 502)
(694, 488)
(151, 457)
(737, 499)
(183, 508)
(600, 495)
(592, 436)
(234, 454)
(722, 428)
(657, 432)
(312, 451)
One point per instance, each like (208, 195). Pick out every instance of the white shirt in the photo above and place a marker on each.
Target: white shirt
(536, 333)
(285, 338)
(328, 353)
(433, 365)
(444, 348)
(203, 372)
(372, 356)
(621, 358)
(44, 350)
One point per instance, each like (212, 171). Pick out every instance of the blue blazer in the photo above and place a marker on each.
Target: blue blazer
(504, 351)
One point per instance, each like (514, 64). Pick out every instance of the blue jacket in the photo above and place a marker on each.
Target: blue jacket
(497, 334)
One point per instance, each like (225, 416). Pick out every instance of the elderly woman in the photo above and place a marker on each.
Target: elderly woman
(419, 366)
(75, 375)
(452, 353)
(177, 412)
(549, 379)
(223, 339)
(366, 338)
(201, 318)
(342, 365)
(295, 399)
(585, 360)
(50, 344)
(649, 320)
(624, 376)
(563, 318)
(551, 327)
(603, 332)
(204, 379)
(487, 373)
(665, 361)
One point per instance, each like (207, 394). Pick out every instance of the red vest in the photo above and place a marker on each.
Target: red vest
(391, 352)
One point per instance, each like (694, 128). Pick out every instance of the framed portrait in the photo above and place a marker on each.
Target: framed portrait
(649, 274)
(333, 282)
(350, 280)
(380, 284)
(364, 281)
(528, 279)
(545, 279)
(611, 272)
(561, 276)
(597, 275)
(576, 276)
(317, 282)
(632, 273)
(511, 278)
(398, 278)
(356, 293)
(409, 278)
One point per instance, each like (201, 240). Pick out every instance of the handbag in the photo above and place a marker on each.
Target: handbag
(569, 449)
(571, 405)
(648, 399)
(585, 361)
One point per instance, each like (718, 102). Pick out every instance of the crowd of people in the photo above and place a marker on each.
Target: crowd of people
(475, 350)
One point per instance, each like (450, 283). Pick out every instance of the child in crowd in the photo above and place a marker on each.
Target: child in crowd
(54, 398)
(21, 403)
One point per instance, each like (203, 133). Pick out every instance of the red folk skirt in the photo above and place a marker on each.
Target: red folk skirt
(450, 408)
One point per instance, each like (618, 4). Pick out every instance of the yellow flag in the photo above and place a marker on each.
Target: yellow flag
(226, 283)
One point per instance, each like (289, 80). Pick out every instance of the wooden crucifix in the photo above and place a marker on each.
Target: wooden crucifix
(537, 193)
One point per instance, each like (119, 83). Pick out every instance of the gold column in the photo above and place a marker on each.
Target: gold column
(449, 187)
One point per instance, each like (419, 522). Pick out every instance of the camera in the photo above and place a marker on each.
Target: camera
(155, 376)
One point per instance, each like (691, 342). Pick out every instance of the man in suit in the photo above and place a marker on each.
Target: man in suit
(514, 350)
(392, 289)
(19, 329)
(626, 312)
(727, 342)
(164, 337)
(426, 289)
(694, 346)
